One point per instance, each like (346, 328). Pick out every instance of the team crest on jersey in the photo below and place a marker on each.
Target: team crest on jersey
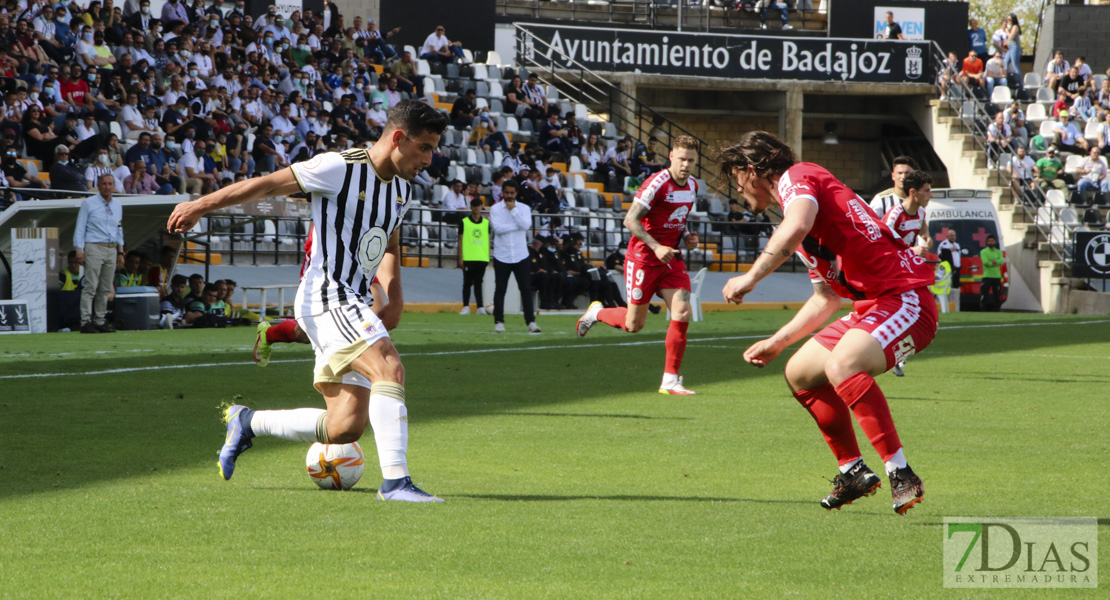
(371, 249)
(370, 327)
(362, 196)
(400, 202)
(637, 294)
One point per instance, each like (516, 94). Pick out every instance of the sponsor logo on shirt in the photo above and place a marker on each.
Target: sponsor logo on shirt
(679, 215)
(862, 221)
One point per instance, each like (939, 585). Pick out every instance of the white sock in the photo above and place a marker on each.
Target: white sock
(298, 424)
(898, 461)
(390, 420)
(848, 466)
(669, 379)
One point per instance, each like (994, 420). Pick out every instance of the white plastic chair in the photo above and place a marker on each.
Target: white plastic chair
(1072, 164)
(1032, 80)
(1046, 130)
(494, 58)
(1001, 95)
(1055, 198)
(1036, 113)
(423, 68)
(695, 296)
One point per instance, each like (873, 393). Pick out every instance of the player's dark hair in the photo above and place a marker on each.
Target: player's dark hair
(196, 276)
(915, 180)
(211, 288)
(179, 280)
(903, 160)
(415, 118)
(762, 151)
(510, 184)
(135, 254)
(71, 254)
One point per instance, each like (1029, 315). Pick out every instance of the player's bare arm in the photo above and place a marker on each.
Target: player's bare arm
(814, 313)
(186, 215)
(796, 223)
(635, 227)
(389, 274)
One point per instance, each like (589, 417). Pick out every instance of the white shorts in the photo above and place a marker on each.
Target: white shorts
(339, 336)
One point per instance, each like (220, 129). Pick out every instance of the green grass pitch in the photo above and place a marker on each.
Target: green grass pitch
(565, 474)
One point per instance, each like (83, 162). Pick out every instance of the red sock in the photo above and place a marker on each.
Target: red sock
(282, 332)
(676, 346)
(833, 417)
(863, 396)
(614, 317)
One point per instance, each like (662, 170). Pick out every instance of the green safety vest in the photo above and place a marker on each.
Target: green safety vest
(943, 283)
(475, 240)
(70, 281)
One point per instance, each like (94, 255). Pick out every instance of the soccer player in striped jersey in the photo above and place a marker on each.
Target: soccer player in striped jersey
(850, 254)
(358, 200)
(890, 197)
(653, 264)
(907, 222)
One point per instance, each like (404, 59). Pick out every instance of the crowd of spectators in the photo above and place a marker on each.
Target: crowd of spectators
(203, 94)
(1069, 153)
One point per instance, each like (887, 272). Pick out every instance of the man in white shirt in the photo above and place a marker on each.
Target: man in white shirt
(995, 72)
(131, 119)
(999, 139)
(455, 200)
(950, 251)
(1021, 170)
(282, 124)
(437, 48)
(1093, 171)
(511, 221)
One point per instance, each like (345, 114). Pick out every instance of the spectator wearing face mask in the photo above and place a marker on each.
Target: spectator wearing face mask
(101, 166)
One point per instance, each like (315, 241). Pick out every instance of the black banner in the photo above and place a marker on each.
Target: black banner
(1092, 255)
(736, 56)
(14, 317)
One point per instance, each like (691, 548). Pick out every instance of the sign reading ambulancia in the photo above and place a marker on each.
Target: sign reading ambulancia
(748, 57)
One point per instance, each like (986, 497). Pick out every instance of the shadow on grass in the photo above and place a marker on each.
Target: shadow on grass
(116, 426)
(617, 498)
(588, 416)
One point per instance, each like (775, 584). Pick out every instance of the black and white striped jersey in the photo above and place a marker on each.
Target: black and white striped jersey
(354, 212)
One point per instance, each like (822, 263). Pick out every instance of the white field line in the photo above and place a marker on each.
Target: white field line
(493, 350)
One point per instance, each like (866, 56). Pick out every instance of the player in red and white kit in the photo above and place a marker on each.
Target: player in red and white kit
(907, 221)
(653, 264)
(853, 255)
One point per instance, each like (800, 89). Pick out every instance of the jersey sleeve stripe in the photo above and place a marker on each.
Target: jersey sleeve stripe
(807, 197)
(297, 176)
(656, 182)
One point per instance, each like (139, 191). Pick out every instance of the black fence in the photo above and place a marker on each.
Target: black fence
(429, 238)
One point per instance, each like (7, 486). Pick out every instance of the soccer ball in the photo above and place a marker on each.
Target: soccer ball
(335, 466)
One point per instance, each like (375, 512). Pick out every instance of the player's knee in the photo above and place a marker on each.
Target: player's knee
(800, 376)
(347, 428)
(839, 368)
(681, 313)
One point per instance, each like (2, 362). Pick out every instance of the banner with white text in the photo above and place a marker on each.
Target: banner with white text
(737, 56)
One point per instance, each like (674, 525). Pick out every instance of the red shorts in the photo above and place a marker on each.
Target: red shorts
(644, 281)
(904, 324)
